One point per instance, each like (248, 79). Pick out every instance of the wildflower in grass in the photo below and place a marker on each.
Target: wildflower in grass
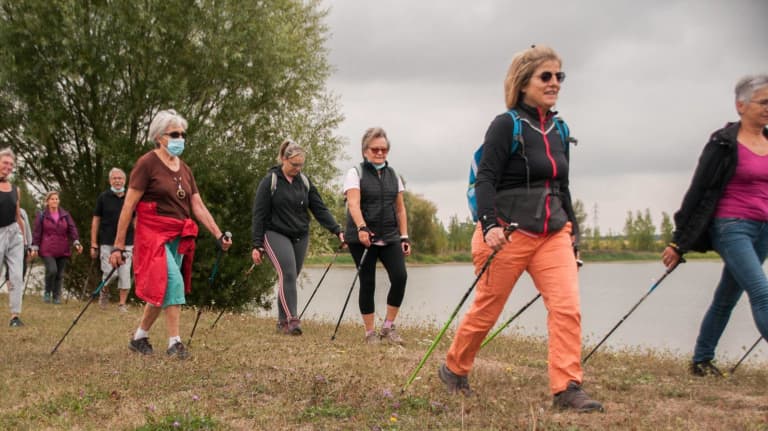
(195, 398)
(387, 393)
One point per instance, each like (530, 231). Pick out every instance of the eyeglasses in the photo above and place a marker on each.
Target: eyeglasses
(176, 135)
(547, 76)
(763, 103)
(379, 150)
(297, 165)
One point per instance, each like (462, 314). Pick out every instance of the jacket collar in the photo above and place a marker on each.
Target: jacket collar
(533, 112)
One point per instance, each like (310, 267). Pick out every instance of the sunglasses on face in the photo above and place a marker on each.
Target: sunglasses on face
(177, 135)
(381, 150)
(547, 76)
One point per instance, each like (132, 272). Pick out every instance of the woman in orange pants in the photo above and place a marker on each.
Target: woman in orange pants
(523, 178)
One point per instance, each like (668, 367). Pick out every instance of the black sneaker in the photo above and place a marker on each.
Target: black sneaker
(16, 322)
(294, 327)
(705, 368)
(141, 346)
(575, 398)
(178, 350)
(454, 382)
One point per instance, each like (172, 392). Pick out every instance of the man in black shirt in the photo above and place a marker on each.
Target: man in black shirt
(103, 230)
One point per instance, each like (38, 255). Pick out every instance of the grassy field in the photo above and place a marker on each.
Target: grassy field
(244, 376)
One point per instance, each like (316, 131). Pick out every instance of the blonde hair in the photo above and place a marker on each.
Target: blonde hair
(288, 150)
(371, 134)
(521, 69)
(49, 195)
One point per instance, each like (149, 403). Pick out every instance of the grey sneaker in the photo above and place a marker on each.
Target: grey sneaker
(372, 338)
(141, 346)
(294, 327)
(389, 335)
(705, 368)
(575, 398)
(453, 382)
(103, 299)
(16, 322)
(178, 350)
(282, 327)
(122, 308)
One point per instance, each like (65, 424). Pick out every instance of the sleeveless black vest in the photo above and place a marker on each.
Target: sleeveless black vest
(377, 203)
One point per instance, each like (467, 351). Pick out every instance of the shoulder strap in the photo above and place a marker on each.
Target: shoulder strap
(304, 180)
(273, 184)
(565, 134)
(517, 130)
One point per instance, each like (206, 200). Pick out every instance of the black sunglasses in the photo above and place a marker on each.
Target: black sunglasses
(177, 135)
(547, 76)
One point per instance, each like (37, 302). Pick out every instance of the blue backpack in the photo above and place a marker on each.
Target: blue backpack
(517, 141)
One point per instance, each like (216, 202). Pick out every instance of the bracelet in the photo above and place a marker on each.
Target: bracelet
(674, 247)
(361, 227)
(404, 239)
(114, 249)
(365, 229)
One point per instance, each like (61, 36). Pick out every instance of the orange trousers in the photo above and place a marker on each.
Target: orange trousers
(551, 264)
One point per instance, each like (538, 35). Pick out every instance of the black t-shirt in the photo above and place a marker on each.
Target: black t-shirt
(108, 207)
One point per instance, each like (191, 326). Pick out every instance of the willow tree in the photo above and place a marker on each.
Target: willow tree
(80, 80)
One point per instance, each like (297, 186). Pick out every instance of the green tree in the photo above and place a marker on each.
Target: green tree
(424, 228)
(80, 81)
(666, 229)
(460, 234)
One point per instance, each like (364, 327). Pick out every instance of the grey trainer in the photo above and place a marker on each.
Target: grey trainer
(454, 382)
(389, 335)
(573, 397)
(705, 368)
(178, 350)
(372, 338)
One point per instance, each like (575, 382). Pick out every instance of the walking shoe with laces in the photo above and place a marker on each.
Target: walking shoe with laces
(575, 398)
(453, 382)
(47, 297)
(389, 335)
(16, 322)
(282, 327)
(372, 338)
(178, 350)
(56, 301)
(141, 346)
(122, 308)
(705, 368)
(294, 327)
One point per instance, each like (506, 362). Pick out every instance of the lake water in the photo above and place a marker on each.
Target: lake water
(668, 319)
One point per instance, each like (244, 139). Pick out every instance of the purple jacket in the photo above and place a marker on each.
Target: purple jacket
(52, 238)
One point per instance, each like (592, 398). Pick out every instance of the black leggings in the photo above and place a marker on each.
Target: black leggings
(391, 256)
(54, 274)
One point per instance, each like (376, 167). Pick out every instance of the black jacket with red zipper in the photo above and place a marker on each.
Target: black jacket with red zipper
(540, 158)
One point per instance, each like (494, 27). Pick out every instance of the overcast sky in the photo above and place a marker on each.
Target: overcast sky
(647, 82)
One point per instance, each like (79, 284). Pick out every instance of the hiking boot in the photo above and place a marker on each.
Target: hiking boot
(294, 327)
(705, 368)
(16, 322)
(575, 398)
(389, 335)
(103, 299)
(122, 308)
(178, 350)
(372, 338)
(47, 297)
(453, 382)
(141, 346)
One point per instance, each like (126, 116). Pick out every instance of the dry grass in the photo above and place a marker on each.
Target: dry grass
(243, 376)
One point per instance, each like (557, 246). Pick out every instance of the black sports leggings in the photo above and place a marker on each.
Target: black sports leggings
(391, 256)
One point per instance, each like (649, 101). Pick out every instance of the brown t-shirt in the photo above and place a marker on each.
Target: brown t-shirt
(172, 191)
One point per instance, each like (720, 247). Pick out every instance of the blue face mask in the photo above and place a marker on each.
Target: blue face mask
(120, 190)
(175, 147)
(379, 166)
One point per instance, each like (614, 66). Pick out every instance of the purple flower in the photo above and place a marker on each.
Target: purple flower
(195, 398)
(151, 407)
(176, 424)
(320, 379)
(387, 393)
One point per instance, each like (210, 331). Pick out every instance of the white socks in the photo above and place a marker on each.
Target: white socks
(173, 340)
(140, 333)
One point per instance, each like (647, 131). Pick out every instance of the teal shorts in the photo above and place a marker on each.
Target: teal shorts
(174, 292)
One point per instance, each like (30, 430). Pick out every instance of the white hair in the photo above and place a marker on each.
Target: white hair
(162, 121)
(747, 86)
(113, 170)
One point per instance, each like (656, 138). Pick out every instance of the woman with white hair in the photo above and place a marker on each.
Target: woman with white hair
(725, 209)
(164, 195)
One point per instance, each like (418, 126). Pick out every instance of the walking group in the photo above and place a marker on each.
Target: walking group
(519, 193)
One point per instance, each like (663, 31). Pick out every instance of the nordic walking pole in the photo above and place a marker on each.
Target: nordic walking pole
(26, 276)
(247, 273)
(321, 281)
(94, 295)
(507, 231)
(508, 322)
(655, 285)
(211, 280)
(733, 370)
(351, 288)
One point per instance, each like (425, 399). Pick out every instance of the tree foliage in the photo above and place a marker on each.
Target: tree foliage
(425, 230)
(80, 80)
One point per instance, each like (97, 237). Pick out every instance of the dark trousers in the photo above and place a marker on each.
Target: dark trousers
(391, 256)
(54, 274)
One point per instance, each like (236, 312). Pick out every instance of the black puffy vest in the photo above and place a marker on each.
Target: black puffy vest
(378, 192)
